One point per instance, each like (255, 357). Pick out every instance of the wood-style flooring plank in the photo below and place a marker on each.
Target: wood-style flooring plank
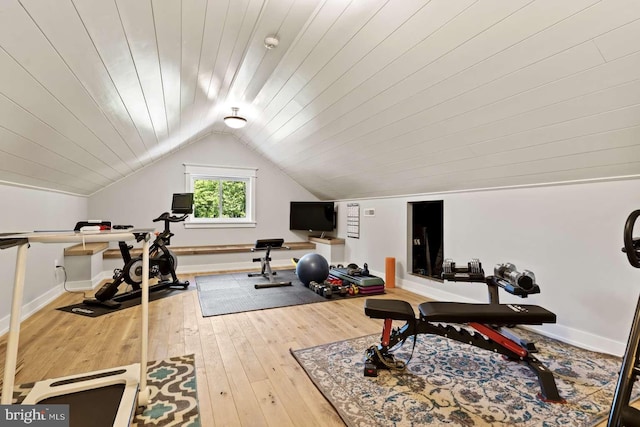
(246, 375)
(273, 410)
(221, 399)
(249, 410)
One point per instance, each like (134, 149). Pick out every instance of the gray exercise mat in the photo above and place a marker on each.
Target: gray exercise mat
(235, 293)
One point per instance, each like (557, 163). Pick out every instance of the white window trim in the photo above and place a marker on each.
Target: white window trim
(211, 172)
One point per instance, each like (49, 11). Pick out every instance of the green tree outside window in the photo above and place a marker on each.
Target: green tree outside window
(219, 198)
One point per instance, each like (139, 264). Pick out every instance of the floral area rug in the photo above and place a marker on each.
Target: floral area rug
(452, 384)
(173, 398)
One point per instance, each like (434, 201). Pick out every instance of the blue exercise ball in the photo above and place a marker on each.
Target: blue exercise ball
(312, 268)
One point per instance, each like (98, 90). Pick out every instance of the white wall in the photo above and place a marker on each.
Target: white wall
(139, 198)
(26, 209)
(570, 236)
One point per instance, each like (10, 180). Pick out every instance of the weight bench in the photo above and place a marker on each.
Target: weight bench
(265, 271)
(487, 329)
(458, 312)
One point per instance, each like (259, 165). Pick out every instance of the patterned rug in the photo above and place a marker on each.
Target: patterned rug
(451, 384)
(173, 398)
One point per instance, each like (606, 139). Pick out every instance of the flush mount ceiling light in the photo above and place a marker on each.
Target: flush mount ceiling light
(234, 120)
(271, 41)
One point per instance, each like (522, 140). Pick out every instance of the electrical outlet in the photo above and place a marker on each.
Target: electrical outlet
(56, 280)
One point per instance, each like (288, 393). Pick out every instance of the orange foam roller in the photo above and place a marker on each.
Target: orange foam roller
(390, 272)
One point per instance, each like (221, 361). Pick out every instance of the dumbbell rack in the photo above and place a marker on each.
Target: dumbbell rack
(473, 272)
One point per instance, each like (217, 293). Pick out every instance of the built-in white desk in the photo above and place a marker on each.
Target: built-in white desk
(92, 380)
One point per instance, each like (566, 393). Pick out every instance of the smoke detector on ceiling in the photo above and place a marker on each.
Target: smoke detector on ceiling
(271, 42)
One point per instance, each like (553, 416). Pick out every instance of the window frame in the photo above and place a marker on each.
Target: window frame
(195, 172)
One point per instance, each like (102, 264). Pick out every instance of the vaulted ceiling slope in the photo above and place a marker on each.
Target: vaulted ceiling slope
(361, 98)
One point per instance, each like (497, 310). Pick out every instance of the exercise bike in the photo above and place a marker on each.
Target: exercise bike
(622, 414)
(162, 261)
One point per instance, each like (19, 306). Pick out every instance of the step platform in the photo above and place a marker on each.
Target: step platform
(371, 290)
(360, 281)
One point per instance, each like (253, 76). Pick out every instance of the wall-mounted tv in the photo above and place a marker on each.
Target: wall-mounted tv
(312, 216)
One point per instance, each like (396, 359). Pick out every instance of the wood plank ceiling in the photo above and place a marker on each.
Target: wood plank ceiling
(361, 98)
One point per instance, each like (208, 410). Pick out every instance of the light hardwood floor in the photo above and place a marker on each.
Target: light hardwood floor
(246, 375)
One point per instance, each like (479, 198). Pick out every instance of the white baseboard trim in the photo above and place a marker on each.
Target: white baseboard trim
(557, 331)
(430, 292)
(204, 268)
(83, 285)
(88, 285)
(32, 307)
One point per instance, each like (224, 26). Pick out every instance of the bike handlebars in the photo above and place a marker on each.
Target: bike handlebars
(166, 216)
(631, 245)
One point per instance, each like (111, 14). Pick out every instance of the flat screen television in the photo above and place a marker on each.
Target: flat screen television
(312, 216)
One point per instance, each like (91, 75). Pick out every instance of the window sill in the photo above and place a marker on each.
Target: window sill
(219, 225)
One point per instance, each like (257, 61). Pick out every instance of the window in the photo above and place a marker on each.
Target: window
(222, 196)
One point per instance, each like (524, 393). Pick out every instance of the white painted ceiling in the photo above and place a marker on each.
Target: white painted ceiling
(361, 98)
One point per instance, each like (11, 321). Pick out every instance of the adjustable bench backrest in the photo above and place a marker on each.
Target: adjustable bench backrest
(454, 312)
(269, 243)
(495, 314)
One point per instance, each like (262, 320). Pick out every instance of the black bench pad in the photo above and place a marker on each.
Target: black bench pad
(501, 314)
(388, 309)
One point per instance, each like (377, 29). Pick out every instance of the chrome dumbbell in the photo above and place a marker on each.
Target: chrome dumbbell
(474, 266)
(448, 265)
(509, 272)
